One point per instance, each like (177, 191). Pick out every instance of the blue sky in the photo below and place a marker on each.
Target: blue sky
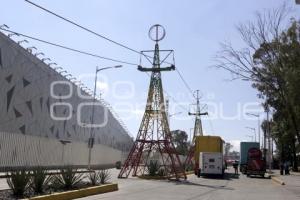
(194, 30)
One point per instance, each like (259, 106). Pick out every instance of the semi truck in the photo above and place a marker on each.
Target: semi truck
(256, 165)
(209, 158)
(244, 148)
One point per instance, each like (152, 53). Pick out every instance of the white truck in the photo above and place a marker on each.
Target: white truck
(211, 163)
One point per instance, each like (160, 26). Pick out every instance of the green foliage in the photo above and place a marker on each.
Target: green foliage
(278, 77)
(189, 167)
(153, 167)
(228, 146)
(68, 179)
(270, 59)
(104, 176)
(94, 178)
(19, 182)
(179, 139)
(118, 165)
(39, 180)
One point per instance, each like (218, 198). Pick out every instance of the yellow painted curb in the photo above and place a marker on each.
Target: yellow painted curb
(277, 180)
(68, 195)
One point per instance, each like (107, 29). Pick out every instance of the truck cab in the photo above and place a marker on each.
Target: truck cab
(256, 165)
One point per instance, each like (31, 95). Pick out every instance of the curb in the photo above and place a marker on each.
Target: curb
(295, 173)
(153, 177)
(68, 195)
(277, 180)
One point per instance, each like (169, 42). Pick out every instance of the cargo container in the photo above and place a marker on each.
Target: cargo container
(204, 145)
(244, 148)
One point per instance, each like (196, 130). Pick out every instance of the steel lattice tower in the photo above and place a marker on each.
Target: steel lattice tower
(154, 136)
(197, 129)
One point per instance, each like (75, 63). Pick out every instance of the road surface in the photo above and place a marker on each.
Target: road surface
(233, 187)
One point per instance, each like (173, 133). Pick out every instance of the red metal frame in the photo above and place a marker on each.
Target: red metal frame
(154, 136)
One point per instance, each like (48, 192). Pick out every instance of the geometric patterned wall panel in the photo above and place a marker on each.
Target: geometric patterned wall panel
(25, 102)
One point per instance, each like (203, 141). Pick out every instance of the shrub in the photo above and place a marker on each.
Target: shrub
(161, 172)
(68, 179)
(189, 167)
(118, 165)
(153, 168)
(104, 176)
(19, 182)
(39, 180)
(94, 178)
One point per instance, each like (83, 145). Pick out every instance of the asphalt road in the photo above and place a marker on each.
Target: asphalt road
(231, 188)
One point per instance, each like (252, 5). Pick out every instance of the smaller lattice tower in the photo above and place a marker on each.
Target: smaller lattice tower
(197, 130)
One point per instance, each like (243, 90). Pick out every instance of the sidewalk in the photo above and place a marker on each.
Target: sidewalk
(292, 181)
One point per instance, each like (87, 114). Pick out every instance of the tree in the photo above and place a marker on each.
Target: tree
(271, 61)
(180, 142)
(228, 146)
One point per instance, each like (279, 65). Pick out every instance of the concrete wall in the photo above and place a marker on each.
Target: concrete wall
(26, 104)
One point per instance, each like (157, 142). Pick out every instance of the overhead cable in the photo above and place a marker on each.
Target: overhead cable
(69, 48)
(105, 38)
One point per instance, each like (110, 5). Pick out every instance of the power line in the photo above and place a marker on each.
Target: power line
(69, 48)
(105, 38)
(82, 27)
(83, 52)
(185, 83)
(180, 105)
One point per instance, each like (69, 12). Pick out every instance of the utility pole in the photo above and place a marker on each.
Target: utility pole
(198, 124)
(269, 140)
(198, 131)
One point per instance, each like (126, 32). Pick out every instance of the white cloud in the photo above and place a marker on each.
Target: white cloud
(235, 144)
(102, 86)
(138, 112)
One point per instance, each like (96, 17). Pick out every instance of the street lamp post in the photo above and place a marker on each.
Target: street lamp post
(258, 125)
(91, 139)
(253, 129)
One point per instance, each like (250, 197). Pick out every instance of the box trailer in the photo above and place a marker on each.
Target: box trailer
(206, 145)
(211, 163)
